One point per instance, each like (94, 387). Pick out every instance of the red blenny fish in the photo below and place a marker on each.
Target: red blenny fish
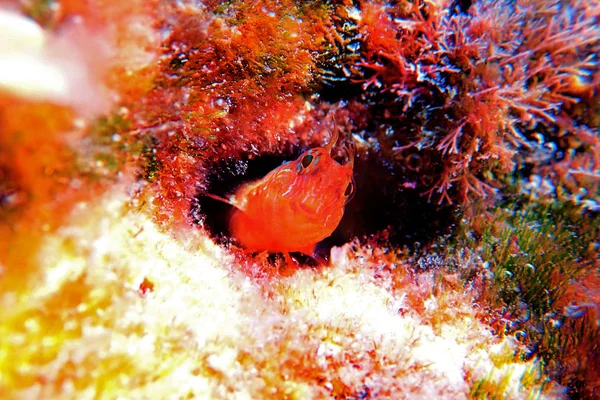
(295, 206)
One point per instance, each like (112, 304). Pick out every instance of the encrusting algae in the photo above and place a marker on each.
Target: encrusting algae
(464, 267)
(207, 329)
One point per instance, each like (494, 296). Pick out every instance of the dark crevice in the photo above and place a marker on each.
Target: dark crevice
(460, 6)
(381, 203)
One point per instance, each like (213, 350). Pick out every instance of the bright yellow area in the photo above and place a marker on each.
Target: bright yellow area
(84, 329)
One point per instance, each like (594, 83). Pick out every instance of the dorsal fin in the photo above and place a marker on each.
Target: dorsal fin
(224, 200)
(218, 198)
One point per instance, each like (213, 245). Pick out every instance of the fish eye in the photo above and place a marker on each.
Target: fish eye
(307, 160)
(349, 189)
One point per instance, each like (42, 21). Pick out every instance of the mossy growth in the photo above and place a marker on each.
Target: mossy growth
(492, 389)
(534, 255)
(526, 255)
(535, 252)
(42, 11)
(114, 145)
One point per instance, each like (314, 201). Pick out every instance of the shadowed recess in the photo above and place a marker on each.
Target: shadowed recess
(381, 204)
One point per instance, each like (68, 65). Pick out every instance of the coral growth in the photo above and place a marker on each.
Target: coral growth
(465, 96)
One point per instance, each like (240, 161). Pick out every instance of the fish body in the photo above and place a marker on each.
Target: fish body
(295, 206)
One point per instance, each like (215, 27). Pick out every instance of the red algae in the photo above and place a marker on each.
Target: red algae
(579, 334)
(146, 286)
(45, 165)
(37, 172)
(230, 84)
(468, 92)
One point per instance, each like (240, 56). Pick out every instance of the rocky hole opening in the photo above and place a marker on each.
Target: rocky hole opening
(382, 210)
